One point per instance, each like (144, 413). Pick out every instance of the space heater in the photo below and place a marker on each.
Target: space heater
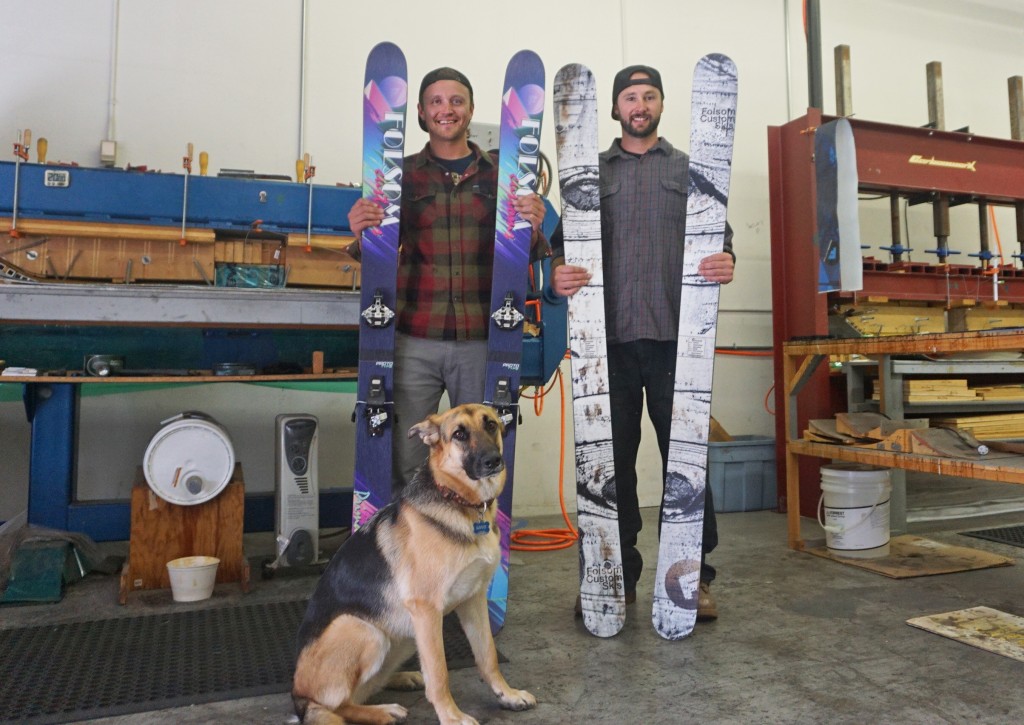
(297, 496)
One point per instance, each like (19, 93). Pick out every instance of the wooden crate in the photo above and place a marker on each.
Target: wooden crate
(162, 531)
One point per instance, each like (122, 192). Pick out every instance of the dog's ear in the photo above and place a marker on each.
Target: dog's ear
(428, 430)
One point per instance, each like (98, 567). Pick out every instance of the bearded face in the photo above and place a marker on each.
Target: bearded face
(638, 109)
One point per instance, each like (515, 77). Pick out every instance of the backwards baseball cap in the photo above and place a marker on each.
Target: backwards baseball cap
(442, 74)
(623, 80)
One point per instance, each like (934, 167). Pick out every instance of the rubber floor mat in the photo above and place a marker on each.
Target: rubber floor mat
(1012, 535)
(84, 670)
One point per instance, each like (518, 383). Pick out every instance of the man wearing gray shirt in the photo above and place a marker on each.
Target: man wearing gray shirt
(644, 182)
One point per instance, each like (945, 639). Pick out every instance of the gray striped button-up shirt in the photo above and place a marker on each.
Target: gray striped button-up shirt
(643, 221)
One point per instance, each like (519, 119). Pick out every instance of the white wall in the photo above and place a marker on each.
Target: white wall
(225, 75)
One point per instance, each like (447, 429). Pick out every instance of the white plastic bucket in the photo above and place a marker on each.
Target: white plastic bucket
(189, 460)
(855, 503)
(192, 577)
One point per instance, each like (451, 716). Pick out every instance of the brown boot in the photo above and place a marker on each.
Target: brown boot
(706, 608)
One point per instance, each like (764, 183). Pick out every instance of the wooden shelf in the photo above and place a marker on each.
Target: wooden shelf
(801, 359)
(934, 344)
(1002, 470)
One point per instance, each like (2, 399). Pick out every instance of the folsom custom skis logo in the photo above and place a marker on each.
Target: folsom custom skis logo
(724, 119)
(607, 575)
(932, 161)
(524, 181)
(388, 181)
(521, 112)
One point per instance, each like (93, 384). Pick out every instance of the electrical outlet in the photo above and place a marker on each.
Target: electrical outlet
(484, 135)
(108, 153)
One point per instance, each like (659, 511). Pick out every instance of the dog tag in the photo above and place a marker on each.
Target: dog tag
(481, 527)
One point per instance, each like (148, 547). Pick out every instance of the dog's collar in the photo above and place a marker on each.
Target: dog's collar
(454, 496)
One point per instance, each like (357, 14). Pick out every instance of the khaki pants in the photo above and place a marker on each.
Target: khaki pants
(424, 371)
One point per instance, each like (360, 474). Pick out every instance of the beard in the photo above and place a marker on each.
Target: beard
(650, 129)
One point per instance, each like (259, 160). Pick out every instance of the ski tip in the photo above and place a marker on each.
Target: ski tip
(719, 63)
(386, 47)
(385, 55)
(673, 635)
(604, 627)
(573, 70)
(528, 59)
(672, 624)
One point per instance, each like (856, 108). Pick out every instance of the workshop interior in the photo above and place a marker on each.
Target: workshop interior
(181, 400)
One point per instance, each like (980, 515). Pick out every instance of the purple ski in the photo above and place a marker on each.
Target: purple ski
(522, 108)
(385, 95)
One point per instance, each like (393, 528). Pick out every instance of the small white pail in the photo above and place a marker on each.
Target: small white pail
(855, 503)
(192, 577)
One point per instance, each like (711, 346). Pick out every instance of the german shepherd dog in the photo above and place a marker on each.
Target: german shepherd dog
(432, 550)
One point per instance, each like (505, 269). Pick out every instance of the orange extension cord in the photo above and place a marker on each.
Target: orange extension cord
(549, 539)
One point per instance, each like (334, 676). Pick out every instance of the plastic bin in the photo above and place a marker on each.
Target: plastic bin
(741, 473)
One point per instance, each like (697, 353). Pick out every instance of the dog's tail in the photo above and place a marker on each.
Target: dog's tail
(310, 712)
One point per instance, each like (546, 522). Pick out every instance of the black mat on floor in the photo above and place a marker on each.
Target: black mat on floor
(84, 670)
(1012, 535)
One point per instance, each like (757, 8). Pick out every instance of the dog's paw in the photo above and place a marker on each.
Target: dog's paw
(405, 681)
(516, 700)
(460, 719)
(398, 713)
(390, 714)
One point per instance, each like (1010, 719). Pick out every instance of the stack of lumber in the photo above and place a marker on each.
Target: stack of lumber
(987, 427)
(937, 390)
(996, 393)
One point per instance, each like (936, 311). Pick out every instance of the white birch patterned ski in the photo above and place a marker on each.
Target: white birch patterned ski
(712, 123)
(601, 583)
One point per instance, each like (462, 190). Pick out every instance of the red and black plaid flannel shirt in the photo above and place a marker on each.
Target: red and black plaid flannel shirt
(447, 248)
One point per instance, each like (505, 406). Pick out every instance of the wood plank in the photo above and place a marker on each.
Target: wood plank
(62, 227)
(321, 241)
(1008, 425)
(875, 426)
(322, 268)
(105, 258)
(950, 443)
(914, 556)
(892, 318)
(983, 627)
(825, 428)
(896, 441)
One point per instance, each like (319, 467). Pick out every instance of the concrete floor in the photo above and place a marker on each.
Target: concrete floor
(800, 639)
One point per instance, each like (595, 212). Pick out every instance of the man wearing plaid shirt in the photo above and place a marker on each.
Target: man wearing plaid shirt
(446, 255)
(644, 182)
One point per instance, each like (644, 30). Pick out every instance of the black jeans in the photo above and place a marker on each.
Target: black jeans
(635, 368)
